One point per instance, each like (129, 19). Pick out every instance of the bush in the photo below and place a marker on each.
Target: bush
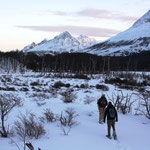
(68, 96)
(7, 89)
(102, 87)
(88, 100)
(29, 126)
(24, 89)
(39, 96)
(34, 83)
(122, 102)
(49, 115)
(60, 84)
(125, 83)
(84, 86)
(67, 121)
(145, 103)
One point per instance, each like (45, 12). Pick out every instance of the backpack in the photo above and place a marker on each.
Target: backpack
(102, 102)
(111, 112)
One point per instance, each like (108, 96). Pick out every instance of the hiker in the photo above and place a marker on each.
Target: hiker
(102, 103)
(112, 116)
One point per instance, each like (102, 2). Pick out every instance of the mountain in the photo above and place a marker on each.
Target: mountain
(133, 40)
(85, 41)
(61, 43)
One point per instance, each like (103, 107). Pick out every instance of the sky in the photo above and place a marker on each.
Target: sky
(25, 21)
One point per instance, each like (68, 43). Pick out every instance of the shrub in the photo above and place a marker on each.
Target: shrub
(67, 85)
(24, 89)
(88, 100)
(84, 86)
(125, 83)
(122, 102)
(7, 89)
(49, 115)
(67, 120)
(60, 84)
(68, 96)
(76, 86)
(39, 96)
(102, 87)
(40, 103)
(35, 83)
(145, 103)
(29, 126)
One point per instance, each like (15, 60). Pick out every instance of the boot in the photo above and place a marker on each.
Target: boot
(115, 136)
(108, 136)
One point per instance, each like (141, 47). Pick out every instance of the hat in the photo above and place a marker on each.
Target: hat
(103, 94)
(110, 103)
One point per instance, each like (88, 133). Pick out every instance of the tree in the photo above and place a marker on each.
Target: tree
(7, 103)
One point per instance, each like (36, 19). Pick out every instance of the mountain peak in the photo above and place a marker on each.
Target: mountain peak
(143, 20)
(82, 36)
(64, 35)
(64, 42)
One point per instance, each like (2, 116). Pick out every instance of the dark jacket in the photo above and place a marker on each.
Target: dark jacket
(102, 102)
(108, 112)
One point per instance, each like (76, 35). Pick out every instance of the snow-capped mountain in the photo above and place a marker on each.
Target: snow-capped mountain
(133, 40)
(85, 41)
(61, 43)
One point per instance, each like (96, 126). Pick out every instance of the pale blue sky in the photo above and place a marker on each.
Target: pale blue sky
(25, 21)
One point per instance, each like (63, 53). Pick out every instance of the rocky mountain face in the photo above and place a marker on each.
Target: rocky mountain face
(64, 42)
(136, 39)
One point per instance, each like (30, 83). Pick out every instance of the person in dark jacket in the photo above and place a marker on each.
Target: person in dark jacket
(112, 116)
(102, 103)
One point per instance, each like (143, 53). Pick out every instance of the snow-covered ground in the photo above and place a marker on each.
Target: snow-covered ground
(133, 131)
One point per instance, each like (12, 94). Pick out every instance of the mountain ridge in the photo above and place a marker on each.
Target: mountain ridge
(133, 40)
(63, 42)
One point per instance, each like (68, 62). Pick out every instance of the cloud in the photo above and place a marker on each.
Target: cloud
(76, 30)
(97, 13)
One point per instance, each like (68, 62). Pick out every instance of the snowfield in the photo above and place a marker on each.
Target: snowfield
(133, 131)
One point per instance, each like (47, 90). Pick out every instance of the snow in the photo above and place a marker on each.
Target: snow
(138, 35)
(132, 131)
(61, 43)
(132, 33)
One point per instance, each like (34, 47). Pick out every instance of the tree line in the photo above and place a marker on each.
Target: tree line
(75, 62)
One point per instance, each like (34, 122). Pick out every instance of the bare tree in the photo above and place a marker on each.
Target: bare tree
(117, 99)
(126, 106)
(7, 103)
(122, 102)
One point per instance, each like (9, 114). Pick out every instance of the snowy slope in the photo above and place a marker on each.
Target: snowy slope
(132, 131)
(61, 43)
(133, 40)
